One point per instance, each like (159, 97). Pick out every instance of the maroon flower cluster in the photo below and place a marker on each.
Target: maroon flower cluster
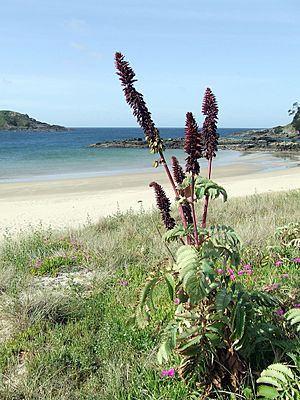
(137, 103)
(209, 129)
(163, 204)
(192, 144)
(177, 171)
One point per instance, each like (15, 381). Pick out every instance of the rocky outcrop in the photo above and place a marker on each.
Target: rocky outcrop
(14, 121)
(249, 142)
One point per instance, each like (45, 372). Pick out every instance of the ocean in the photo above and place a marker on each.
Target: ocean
(33, 156)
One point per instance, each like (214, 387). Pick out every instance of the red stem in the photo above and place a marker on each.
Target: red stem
(164, 163)
(193, 213)
(204, 217)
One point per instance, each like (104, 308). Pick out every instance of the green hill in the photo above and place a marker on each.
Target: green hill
(11, 120)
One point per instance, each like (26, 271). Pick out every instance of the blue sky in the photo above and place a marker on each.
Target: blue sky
(57, 59)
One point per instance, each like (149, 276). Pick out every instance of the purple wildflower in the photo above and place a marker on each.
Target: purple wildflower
(231, 271)
(220, 271)
(232, 277)
(176, 301)
(297, 260)
(275, 285)
(241, 272)
(278, 263)
(297, 305)
(168, 372)
(285, 275)
(279, 311)
(247, 266)
(123, 283)
(249, 271)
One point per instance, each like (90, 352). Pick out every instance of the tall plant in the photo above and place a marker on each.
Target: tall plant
(217, 325)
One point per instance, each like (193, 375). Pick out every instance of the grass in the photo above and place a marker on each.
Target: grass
(69, 344)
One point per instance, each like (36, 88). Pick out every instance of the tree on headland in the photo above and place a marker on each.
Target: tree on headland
(295, 111)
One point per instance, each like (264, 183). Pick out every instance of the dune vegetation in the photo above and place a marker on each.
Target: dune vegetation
(65, 336)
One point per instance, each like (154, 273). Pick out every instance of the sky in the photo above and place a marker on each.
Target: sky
(57, 61)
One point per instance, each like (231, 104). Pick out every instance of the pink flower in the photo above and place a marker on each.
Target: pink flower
(176, 301)
(241, 272)
(278, 263)
(275, 285)
(247, 266)
(231, 271)
(123, 283)
(168, 372)
(297, 305)
(249, 271)
(279, 311)
(297, 260)
(232, 277)
(179, 291)
(285, 275)
(220, 271)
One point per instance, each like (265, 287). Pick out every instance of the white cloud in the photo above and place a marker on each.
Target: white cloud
(87, 50)
(76, 25)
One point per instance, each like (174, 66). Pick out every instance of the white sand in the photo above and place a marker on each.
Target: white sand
(70, 203)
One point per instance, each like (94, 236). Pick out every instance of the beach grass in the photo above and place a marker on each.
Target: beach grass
(65, 337)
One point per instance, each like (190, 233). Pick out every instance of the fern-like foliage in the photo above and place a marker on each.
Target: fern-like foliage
(278, 381)
(293, 316)
(195, 273)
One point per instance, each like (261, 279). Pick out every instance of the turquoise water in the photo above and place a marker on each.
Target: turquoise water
(30, 156)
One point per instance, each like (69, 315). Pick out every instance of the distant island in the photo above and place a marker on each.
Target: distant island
(15, 121)
(278, 139)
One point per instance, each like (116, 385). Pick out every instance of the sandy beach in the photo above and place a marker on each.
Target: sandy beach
(71, 203)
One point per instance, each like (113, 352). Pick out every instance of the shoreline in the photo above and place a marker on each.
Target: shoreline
(74, 202)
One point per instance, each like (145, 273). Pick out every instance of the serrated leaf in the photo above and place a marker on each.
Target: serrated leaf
(222, 300)
(147, 291)
(190, 343)
(268, 392)
(170, 285)
(269, 381)
(238, 325)
(163, 353)
(282, 368)
(273, 373)
(173, 234)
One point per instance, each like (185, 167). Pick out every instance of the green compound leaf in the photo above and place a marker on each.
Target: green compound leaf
(206, 187)
(273, 373)
(176, 233)
(147, 291)
(270, 381)
(169, 344)
(194, 273)
(282, 368)
(293, 316)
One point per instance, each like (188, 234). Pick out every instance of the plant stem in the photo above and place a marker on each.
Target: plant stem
(164, 163)
(204, 217)
(193, 213)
